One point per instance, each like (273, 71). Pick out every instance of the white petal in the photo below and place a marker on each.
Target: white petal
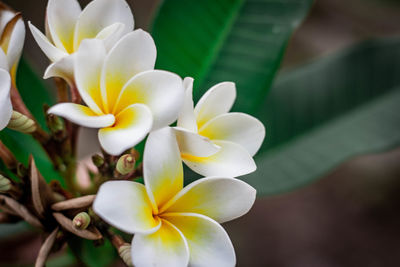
(186, 117)
(87, 67)
(111, 34)
(6, 16)
(231, 160)
(131, 126)
(88, 143)
(13, 44)
(162, 166)
(82, 115)
(64, 68)
(62, 16)
(209, 244)
(161, 91)
(217, 100)
(134, 53)
(125, 205)
(222, 199)
(165, 248)
(194, 144)
(100, 14)
(52, 52)
(5, 102)
(3, 60)
(238, 128)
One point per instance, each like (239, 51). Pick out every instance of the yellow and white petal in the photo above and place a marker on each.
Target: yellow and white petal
(87, 70)
(82, 115)
(194, 144)
(62, 16)
(238, 128)
(222, 199)
(209, 244)
(131, 126)
(111, 34)
(162, 167)
(165, 248)
(126, 206)
(186, 117)
(63, 68)
(217, 100)
(6, 16)
(100, 14)
(161, 91)
(231, 160)
(12, 40)
(134, 53)
(5, 102)
(52, 52)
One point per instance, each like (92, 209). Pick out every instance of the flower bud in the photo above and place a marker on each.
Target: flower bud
(21, 123)
(5, 184)
(125, 254)
(81, 221)
(126, 164)
(98, 160)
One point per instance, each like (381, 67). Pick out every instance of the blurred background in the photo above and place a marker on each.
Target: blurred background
(349, 217)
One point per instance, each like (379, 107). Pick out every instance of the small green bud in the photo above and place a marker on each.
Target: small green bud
(5, 184)
(81, 221)
(21, 123)
(126, 164)
(98, 160)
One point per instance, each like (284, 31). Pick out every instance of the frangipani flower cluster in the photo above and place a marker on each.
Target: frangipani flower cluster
(12, 32)
(174, 226)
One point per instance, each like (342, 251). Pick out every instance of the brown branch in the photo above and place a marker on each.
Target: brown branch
(75, 203)
(21, 211)
(8, 157)
(46, 248)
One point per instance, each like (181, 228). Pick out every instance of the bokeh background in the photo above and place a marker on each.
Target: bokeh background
(349, 217)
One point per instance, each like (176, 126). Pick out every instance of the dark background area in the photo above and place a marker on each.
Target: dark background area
(348, 218)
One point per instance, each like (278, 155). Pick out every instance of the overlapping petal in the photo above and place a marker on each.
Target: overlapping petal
(186, 118)
(61, 17)
(130, 127)
(217, 100)
(99, 14)
(82, 115)
(5, 102)
(162, 167)
(231, 160)
(125, 205)
(209, 244)
(238, 128)
(63, 68)
(222, 199)
(191, 143)
(12, 41)
(134, 53)
(165, 248)
(111, 34)
(161, 91)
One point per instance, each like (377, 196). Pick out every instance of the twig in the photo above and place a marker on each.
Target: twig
(46, 248)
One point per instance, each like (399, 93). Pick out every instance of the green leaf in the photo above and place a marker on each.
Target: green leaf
(323, 113)
(35, 94)
(227, 40)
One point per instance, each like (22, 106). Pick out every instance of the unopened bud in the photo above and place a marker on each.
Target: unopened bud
(126, 164)
(125, 254)
(98, 160)
(21, 123)
(81, 221)
(5, 184)
(56, 126)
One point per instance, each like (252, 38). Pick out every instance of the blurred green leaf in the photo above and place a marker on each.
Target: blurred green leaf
(91, 255)
(227, 40)
(35, 94)
(320, 114)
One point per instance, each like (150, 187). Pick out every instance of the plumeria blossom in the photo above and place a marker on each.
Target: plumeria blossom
(174, 226)
(67, 26)
(214, 141)
(125, 96)
(5, 102)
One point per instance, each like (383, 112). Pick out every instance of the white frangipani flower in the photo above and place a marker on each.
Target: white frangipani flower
(12, 32)
(174, 226)
(213, 141)
(67, 26)
(5, 102)
(125, 96)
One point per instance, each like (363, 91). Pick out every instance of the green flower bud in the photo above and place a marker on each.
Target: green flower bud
(5, 184)
(21, 123)
(81, 221)
(126, 164)
(98, 160)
